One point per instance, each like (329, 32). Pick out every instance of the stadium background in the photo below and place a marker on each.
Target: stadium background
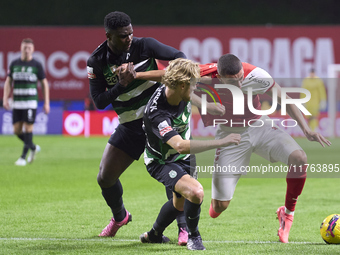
(284, 38)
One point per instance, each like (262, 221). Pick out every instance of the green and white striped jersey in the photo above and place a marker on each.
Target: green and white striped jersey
(25, 75)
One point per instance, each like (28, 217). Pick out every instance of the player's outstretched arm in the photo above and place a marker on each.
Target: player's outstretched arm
(212, 108)
(197, 146)
(7, 91)
(154, 75)
(296, 114)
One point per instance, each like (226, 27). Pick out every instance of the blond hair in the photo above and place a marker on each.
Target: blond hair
(180, 71)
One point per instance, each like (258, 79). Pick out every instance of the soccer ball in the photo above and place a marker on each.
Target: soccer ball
(330, 229)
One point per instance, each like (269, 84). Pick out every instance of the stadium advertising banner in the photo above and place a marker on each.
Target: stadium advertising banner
(285, 52)
(44, 124)
(86, 123)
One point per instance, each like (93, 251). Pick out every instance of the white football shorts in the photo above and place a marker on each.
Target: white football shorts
(268, 141)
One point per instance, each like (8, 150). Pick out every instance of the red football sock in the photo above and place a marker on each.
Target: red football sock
(212, 213)
(295, 179)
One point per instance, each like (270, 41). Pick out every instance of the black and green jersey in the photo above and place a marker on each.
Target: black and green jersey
(162, 121)
(25, 75)
(129, 102)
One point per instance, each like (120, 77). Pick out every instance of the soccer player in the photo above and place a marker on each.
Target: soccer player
(167, 153)
(112, 83)
(24, 74)
(268, 141)
(318, 99)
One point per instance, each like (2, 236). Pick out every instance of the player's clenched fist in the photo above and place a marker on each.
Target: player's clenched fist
(127, 74)
(231, 139)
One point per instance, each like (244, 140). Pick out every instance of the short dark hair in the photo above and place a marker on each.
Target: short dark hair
(27, 40)
(312, 70)
(116, 19)
(229, 64)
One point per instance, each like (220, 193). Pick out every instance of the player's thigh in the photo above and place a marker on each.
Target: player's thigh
(274, 144)
(190, 189)
(113, 163)
(169, 174)
(223, 187)
(130, 138)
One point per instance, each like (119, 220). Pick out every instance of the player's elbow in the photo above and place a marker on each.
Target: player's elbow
(99, 104)
(182, 148)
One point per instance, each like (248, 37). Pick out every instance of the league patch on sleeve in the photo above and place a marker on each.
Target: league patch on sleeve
(90, 73)
(164, 128)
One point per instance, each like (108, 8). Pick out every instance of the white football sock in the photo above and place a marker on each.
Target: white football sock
(289, 212)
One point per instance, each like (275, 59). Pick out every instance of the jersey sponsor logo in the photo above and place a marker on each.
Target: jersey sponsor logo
(164, 128)
(90, 73)
(260, 81)
(172, 174)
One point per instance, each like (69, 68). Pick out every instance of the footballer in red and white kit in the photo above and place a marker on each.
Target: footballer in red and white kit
(259, 134)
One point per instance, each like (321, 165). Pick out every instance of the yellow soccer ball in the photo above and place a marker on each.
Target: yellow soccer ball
(330, 229)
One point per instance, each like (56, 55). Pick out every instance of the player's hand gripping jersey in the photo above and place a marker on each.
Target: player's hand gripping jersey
(256, 78)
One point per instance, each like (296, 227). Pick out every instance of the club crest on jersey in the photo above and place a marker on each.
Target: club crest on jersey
(164, 128)
(172, 174)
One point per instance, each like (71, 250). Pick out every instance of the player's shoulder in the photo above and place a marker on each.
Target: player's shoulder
(248, 68)
(207, 69)
(36, 62)
(155, 104)
(254, 71)
(144, 42)
(16, 61)
(99, 53)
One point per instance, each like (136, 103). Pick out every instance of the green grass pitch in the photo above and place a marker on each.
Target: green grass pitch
(54, 206)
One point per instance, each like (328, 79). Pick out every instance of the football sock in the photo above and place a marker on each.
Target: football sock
(113, 198)
(29, 140)
(288, 212)
(165, 217)
(212, 213)
(180, 217)
(192, 215)
(21, 137)
(295, 179)
(28, 144)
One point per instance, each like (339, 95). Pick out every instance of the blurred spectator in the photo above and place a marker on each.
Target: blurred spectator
(318, 99)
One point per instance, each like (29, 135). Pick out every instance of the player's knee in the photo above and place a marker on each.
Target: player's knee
(17, 132)
(197, 194)
(298, 158)
(104, 179)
